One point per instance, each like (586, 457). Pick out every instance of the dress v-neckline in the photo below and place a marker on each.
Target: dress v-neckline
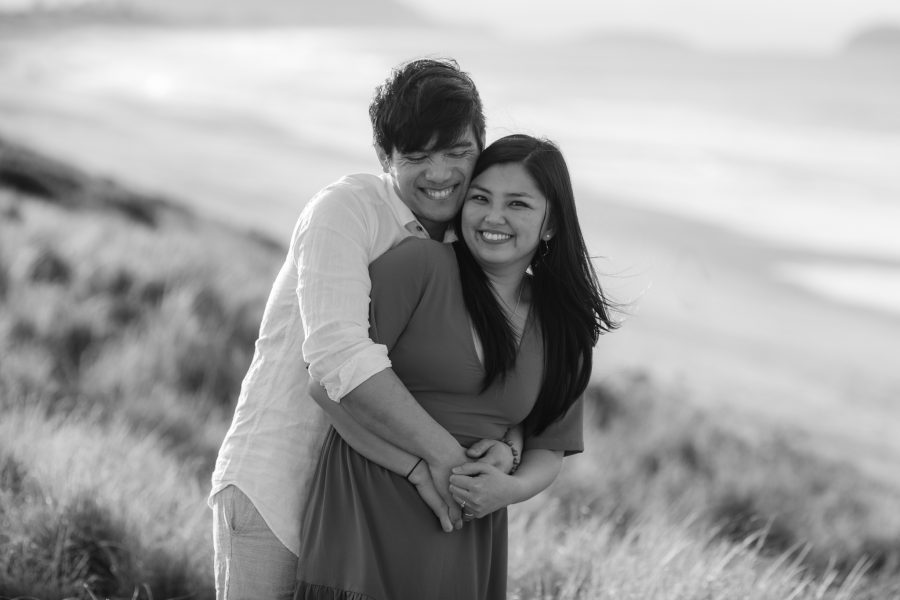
(475, 341)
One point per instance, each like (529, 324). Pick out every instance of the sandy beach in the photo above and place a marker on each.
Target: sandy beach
(709, 317)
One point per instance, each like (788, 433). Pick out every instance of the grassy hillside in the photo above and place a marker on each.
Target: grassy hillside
(126, 325)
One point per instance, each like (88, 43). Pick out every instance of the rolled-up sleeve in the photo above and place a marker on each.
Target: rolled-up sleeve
(331, 249)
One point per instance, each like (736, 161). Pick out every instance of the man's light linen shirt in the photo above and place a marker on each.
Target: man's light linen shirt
(273, 444)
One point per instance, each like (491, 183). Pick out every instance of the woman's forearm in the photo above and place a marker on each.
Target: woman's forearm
(536, 472)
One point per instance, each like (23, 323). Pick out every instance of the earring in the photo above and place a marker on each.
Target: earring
(545, 246)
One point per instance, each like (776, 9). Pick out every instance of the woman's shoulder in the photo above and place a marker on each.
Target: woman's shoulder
(416, 254)
(412, 267)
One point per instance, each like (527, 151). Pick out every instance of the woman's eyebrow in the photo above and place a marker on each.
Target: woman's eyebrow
(520, 195)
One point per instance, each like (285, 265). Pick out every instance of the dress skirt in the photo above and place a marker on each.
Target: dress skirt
(367, 535)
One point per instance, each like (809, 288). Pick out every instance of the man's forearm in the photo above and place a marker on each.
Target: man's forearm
(385, 407)
(382, 452)
(363, 440)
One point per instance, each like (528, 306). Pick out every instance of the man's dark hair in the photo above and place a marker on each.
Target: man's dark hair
(424, 99)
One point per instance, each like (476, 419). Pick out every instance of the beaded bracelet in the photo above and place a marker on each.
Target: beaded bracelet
(515, 453)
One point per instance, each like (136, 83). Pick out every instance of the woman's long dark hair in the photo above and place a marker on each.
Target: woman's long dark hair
(566, 298)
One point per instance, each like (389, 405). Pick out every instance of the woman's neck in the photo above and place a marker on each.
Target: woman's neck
(510, 289)
(507, 285)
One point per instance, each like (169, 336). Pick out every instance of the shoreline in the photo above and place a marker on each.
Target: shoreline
(716, 326)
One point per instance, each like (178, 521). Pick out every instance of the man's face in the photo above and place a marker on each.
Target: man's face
(432, 182)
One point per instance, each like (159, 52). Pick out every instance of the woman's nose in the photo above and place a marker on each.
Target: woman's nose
(495, 214)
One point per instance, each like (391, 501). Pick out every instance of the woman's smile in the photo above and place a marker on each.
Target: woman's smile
(495, 236)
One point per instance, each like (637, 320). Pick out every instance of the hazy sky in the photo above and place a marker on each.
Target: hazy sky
(815, 25)
(806, 25)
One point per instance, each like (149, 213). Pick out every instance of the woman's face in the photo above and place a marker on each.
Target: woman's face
(504, 218)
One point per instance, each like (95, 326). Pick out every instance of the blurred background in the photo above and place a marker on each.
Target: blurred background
(735, 163)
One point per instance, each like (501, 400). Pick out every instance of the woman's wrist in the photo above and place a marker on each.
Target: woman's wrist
(516, 458)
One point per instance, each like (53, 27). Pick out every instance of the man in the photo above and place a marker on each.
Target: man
(429, 128)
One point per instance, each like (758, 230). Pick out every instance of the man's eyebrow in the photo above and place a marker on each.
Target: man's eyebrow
(457, 145)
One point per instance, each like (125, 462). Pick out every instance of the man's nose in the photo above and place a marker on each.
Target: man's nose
(438, 169)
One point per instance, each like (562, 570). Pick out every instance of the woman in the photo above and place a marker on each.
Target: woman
(496, 330)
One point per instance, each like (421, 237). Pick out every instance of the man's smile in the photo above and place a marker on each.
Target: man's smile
(439, 194)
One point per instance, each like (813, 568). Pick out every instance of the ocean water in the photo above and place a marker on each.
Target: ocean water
(798, 153)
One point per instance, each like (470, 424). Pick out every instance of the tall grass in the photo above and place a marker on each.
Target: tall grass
(122, 344)
(98, 508)
(121, 351)
(653, 453)
(654, 558)
(669, 502)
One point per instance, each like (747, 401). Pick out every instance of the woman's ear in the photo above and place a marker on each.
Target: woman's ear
(549, 229)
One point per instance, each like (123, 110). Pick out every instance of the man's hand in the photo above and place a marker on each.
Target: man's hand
(440, 475)
(483, 488)
(496, 453)
(421, 479)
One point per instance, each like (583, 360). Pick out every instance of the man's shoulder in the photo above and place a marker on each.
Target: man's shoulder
(364, 189)
(359, 182)
(359, 198)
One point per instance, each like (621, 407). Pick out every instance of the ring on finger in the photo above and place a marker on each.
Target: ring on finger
(462, 505)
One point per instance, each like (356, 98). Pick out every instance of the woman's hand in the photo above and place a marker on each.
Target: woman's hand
(421, 479)
(481, 488)
(496, 453)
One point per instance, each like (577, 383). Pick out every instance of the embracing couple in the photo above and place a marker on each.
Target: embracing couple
(419, 364)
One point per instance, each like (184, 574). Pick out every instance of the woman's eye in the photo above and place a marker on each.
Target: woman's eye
(477, 198)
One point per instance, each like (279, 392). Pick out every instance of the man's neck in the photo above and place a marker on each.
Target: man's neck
(435, 231)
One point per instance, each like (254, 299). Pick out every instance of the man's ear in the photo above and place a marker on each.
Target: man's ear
(383, 158)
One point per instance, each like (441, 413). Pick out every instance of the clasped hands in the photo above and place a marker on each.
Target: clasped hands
(476, 486)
